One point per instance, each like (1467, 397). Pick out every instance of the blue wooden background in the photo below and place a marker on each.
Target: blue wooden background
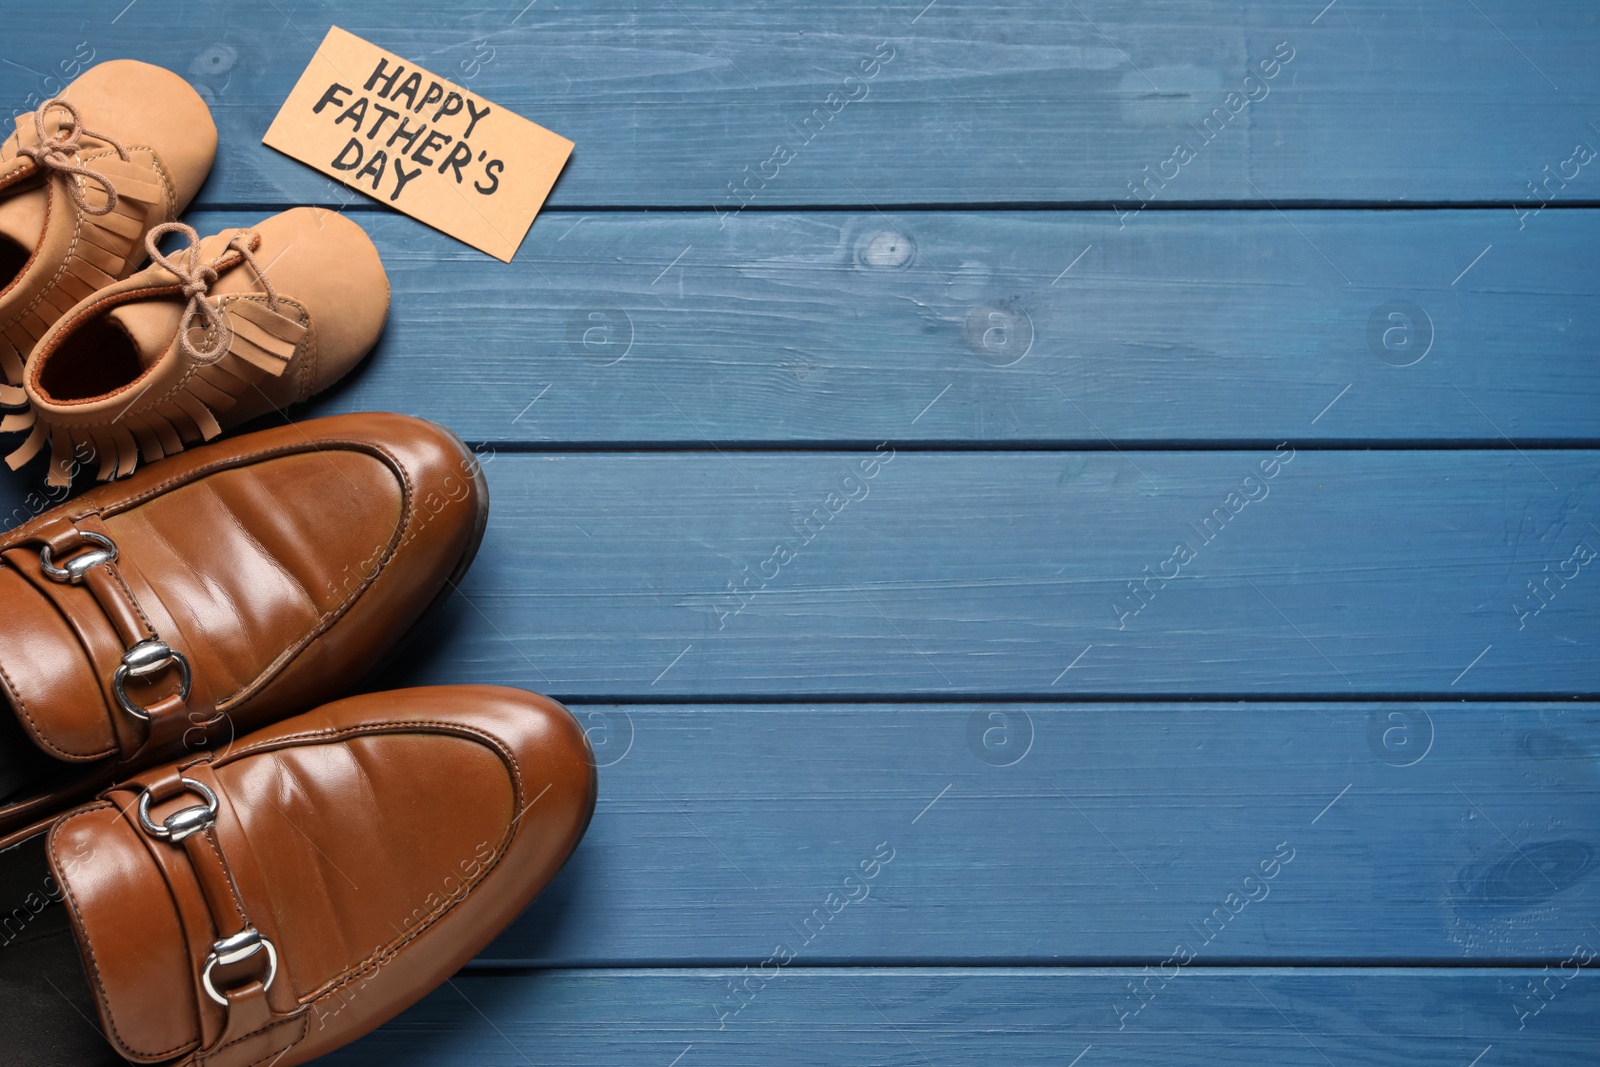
(984, 769)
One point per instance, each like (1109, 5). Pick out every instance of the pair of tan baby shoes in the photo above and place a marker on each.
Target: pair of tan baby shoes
(105, 364)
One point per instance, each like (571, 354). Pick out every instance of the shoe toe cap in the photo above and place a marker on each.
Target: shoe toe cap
(143, 104)
(327, 262)
(459, 803)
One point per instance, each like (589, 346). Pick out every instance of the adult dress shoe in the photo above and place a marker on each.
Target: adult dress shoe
(269, 904)
(224, 589)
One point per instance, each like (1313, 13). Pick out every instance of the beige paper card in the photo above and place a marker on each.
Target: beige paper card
(407, 137)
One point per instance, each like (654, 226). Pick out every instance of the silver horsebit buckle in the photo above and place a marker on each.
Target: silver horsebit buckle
(148, 657)
(180, 824)
(227, 951)
(78, 566)
(236, 949)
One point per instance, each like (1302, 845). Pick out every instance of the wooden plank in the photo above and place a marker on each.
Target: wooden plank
(1354, 573)
(1050, 327)
(1216, 1018)
(1029, 102)
(714, 575)
(1079, 834)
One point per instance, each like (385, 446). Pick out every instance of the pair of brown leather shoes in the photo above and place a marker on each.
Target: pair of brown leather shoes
(251, 885)
(194, 868)
(101, 362)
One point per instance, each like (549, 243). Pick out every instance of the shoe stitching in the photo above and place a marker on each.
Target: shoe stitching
(390, 951)
(388, 727)
(77, 236)
(191, 369)
(99, 982)
(327, 620)
(88, 947)
(393, 949)
(21, 534)
(397, 539)
(299, 1016)
(308, 366)
(116, 574)
(210, 839)
(37, 731)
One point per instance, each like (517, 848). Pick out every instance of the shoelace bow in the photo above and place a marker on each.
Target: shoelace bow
(56, 153)
(197, 279)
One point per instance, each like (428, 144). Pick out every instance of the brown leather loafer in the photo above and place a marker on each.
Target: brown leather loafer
(272, 903)
(222, 590)
(82, 180)
(228, 329)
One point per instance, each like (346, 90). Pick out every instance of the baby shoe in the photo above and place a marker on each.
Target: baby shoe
(82, 180)
(223, 590)
(243, 323)
(266, 905)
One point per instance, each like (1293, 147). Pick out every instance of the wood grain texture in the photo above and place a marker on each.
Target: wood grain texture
(1178, 327)
(1303, 1018)
(1021, 103)
(1353, 573)
(1081, 834)
(1336, 761)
